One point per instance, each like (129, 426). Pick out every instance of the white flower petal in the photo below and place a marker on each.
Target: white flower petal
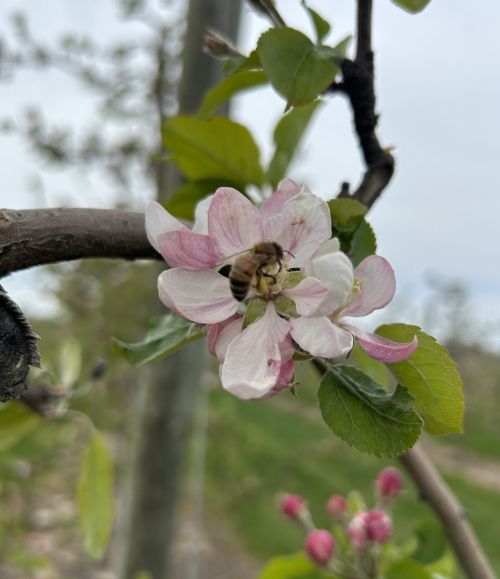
(158, 222)
(302, 227)
(334, 270)
(234, 222)
(225, 337)
(199, 295)
(320, 337)
(252, 363)
(377, 283)
(308, 295)
(201, 215)
(274, 204)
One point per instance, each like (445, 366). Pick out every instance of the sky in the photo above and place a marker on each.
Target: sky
(438, 90)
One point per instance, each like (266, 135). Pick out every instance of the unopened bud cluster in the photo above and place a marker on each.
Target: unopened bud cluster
(364, 528)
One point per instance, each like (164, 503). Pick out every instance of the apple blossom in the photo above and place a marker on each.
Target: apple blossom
(336, 507)
(366, 527)
(292, 506)
(304, 298)
(389, 483)
(320, 546)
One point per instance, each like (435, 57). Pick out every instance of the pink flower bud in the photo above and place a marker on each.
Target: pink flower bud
(389, 483)
(369, 526)
(292, 506)
(320, 546)
(336, 507)
(378, 526)
(216, 45)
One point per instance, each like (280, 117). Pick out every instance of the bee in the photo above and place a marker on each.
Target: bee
(263, 260)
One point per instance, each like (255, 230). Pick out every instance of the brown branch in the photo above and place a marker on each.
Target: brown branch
(32, 237)
(358, 86)
(451, 514)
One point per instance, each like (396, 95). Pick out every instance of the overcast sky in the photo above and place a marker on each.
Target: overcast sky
(438, 93)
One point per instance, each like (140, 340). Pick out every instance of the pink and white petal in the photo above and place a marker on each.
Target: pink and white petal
(381, 348)
(201, 215)
(274, 204)
(308, 296)
(334, 270)
(302, 227)
(199, 295)
(234, 222)
(330, 246)
(226, 336)
(377, 283)
(159, 221)
(252, 363)
(214, 332)
(320, 337)
(184, 248)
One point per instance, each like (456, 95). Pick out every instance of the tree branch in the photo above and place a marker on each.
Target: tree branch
(32, 237)
(451, 514)
(358, 86)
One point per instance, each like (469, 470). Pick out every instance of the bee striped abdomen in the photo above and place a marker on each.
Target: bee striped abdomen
(240, 280)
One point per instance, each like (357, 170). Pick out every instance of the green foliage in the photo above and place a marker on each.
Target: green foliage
(239, 63)
(431, 544)
(214, 148)
(292, 567)
(298, 69)
(233, 84)
(432, 378)
(363, 243)
(376, 370)
(412, 6)
(95, 495)
(321, 26)
(346, 215)
(170, 334)
(364, 415)
(407, 569)
(16, 422)
(287, 136)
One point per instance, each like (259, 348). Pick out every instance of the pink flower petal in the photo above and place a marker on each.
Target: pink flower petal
(234, 222)
(199, 295)
(201, 215)
(214, 332)
(320, 337)
(381, 348)
(252, 364)
(186, 248)
(308, 295)
(302, 227)
(274, 204)
(378, 285)
(334, 270)
(158, 222)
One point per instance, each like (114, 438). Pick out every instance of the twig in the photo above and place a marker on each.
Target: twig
(40, 236)
(358, 86)
(268, 8)
(451, 514)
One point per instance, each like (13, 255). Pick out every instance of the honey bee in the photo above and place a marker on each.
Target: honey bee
(264, 259)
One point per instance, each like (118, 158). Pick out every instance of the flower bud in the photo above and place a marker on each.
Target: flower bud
(336, 507)
(389, 483)
(378, 526)
(217, 46)
(369, 526)
(293, 506)
(320, 546)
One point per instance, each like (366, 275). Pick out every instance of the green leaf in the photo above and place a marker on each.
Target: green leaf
(169, 335)
(432, 378)
(215, 148)
(321, 26)
(183, 202)
(95, 495)
(364, 415)
(292, 567)
(375, 369)
(407, 569)
(287, 136)
(431, 542)
(255, 310)
(298, 70)
(346, 214)
(16, 422)
(340, 49)
(237, 82)
(412, 6)
(363, 243)
(240, 63)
